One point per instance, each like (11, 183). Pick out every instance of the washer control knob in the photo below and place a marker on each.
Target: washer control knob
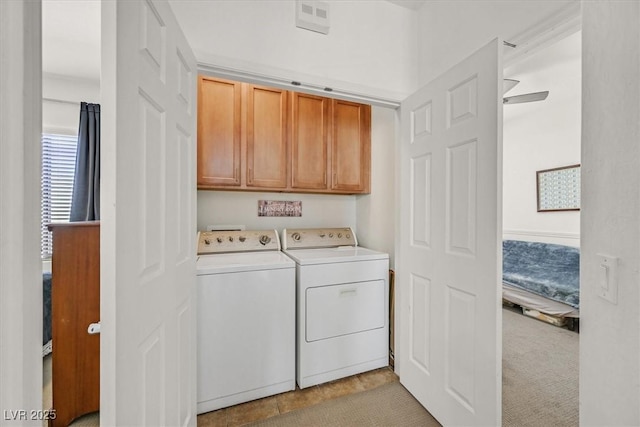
(348, 236)
(296, 236)
(264, 239)
(322, 235)
(219, 239)
(339, 235)
(242, 238)
(207, 242)
(231, 238)
(330, 234)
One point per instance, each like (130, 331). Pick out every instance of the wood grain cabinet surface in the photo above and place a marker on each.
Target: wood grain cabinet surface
(75, 304)
(351, 147)
(310, 124)
(266, 133)
(259, 138)
(219, 124)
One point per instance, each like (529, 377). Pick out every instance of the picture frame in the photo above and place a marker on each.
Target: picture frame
(558, 189)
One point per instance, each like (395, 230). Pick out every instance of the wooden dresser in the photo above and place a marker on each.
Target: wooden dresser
(75, 304)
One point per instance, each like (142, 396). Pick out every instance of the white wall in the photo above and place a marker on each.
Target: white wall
(542, 135)
(451, 30)
(61, 101)
(610, 336)
(370, 47)
(241, 208)
(376, 212)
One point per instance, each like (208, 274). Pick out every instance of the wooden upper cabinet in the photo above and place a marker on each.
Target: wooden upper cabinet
(310, 121)
(219, 138)
(351, 147)
(267, 146)
(267, 139)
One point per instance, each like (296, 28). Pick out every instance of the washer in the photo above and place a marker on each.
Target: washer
(245, 317)
(342, 304)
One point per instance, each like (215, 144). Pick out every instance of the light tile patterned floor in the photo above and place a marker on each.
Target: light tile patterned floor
(249, 412)
(259, 409)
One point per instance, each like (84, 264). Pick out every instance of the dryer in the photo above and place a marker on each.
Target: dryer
(342, 304)
(245, 318)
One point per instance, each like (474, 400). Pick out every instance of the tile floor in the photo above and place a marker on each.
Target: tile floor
(267, 407)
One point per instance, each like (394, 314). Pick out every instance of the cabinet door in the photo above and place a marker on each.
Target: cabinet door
(351, 147)
(309, 140)
(75, 304)
(267, 147)
(219, 122)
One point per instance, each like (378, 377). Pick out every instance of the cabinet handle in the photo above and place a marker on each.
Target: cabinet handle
(324, 178)
(250, 176)
(333, 182)
(94, 328)
(235, 175)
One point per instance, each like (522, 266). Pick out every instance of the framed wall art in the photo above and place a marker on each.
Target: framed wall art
(558, 189)
(279, 208)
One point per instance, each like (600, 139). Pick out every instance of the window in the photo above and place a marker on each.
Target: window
(58, 167)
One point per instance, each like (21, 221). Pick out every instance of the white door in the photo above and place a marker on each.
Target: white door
(148, 353)
(450, 242)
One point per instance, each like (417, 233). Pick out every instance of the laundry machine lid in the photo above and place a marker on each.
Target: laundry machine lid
(243, 261)
(334, 255)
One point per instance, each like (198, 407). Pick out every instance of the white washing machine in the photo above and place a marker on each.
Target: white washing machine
(342, 304)
(245, 318)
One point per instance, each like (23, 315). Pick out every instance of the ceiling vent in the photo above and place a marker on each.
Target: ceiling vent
(313, 15)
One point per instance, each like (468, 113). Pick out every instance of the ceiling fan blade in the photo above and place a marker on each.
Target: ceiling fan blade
(508, 84)
(527, 97)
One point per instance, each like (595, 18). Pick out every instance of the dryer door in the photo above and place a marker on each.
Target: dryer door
(343, 309)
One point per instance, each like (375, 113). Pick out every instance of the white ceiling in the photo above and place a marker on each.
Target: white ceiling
(71, 38)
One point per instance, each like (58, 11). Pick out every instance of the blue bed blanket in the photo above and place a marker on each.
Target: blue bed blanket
(549, 270)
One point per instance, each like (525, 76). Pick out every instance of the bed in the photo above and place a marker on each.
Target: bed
(542, 277)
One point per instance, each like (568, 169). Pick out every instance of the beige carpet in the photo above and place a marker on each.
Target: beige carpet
(539, 373)
(384, 406)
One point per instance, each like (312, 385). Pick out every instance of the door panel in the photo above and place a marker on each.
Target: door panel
(219, 124)
(310, 126)
(450, 234)
(267, 142)
(148, 222)
(351, 146)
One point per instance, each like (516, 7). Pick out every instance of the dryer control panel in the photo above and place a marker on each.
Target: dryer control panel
(217, 242)
(306, 238)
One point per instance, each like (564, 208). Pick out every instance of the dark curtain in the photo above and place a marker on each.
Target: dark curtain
(85, 204)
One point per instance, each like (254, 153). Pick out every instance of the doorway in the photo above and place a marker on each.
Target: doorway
(539, 136)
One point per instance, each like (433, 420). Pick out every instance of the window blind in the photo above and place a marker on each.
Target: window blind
(58, 168)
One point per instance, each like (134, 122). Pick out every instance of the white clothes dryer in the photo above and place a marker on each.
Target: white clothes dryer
(342, 304)
(245, 318)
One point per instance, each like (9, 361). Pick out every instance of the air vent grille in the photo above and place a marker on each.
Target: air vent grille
(313, 15)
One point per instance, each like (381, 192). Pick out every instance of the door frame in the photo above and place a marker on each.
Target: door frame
(20, 170)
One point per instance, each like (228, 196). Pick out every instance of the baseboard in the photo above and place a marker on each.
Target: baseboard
(568, 239)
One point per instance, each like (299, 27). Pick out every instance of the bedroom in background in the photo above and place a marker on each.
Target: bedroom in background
(70, 126)
(541, 231)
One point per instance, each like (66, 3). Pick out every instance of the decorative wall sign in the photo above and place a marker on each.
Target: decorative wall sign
(279, 208)
(559, 189)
